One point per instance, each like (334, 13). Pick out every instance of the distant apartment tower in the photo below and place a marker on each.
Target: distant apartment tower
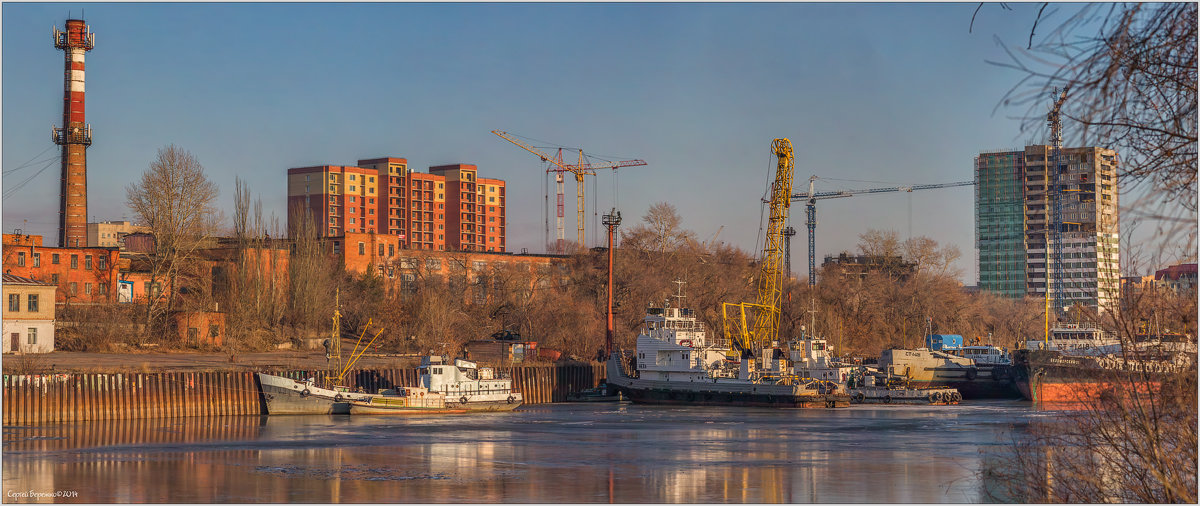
(1012, 214)
(446, 209)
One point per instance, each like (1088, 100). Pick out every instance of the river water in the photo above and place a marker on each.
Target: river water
(558, 453)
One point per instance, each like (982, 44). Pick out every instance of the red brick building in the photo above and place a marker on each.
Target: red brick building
(443, 210)
(82, 275)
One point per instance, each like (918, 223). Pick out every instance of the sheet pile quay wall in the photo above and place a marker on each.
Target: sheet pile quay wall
(53, 398)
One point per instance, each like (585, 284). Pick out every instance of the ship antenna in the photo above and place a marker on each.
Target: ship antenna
(679, 288)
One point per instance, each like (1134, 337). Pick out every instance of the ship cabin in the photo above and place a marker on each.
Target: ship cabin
(1074, 338)
(672, 345)
(810, 359)
(462, 377)
(986, 355)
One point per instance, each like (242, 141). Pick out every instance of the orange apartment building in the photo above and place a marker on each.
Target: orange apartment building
(443, 210)
(82, 275)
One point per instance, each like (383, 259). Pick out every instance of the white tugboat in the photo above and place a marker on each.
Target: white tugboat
(465, 385)
(677, 362)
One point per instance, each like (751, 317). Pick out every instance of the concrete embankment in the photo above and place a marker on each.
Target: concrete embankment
(72, 397)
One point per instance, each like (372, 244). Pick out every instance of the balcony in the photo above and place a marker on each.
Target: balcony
(77, 135)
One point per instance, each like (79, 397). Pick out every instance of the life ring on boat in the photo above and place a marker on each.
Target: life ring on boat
(686, 342)
(304, 393)
(887, 399)
(462, 400)
(955, 397)
(511, 399)
(971, 374)
(859, 397)
(338, 398)
(934, 397)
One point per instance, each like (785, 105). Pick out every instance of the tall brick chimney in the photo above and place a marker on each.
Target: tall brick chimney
(75, 135)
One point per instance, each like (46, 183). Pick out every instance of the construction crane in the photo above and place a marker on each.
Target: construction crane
(1055, 192)
(744, 339)
(811, 210)
(583, 168)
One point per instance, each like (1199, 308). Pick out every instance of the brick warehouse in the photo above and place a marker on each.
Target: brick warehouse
(81, 274)
(448, 209)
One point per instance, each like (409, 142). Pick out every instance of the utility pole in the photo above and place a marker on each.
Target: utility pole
(611, 221)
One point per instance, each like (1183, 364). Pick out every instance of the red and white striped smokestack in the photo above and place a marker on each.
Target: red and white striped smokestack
(74, 136)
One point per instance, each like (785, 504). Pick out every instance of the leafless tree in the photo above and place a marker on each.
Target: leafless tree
(1132, 73)
(176, 200)
(311, 274)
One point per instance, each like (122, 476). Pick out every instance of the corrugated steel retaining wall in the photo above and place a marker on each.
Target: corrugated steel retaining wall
(51, 398)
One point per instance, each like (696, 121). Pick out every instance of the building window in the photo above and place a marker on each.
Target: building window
(433, 263)
(54, 278)
(193, 334)
(14, 302)
(102, 263)
(54, 258)
(87, 288)
(74, 261)
(74, 288)
(352, 177)
(391, 249)
(332, 199)
(362, 249)
(491, 199)
(352, 188)
(380, 250)
(31, 332)
(214, 330)
(87, 262)
(337, 247)
(352, 220)
(20, 259)
(37, 259)
(31, 303)
(352, 197)
(103, 288)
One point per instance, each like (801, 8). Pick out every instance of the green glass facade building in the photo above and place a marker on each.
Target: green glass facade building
(1000, 222)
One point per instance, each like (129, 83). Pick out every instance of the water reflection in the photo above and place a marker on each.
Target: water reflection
(554, 453)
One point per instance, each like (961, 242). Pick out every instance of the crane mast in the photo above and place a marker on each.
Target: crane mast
(766, 307)
(1055, 192)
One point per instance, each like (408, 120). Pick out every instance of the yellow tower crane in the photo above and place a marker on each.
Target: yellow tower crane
(744, 340)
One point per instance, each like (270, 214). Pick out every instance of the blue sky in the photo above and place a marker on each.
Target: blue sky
(888, 93)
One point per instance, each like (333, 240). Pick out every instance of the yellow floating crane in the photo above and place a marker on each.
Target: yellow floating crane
(743, 338)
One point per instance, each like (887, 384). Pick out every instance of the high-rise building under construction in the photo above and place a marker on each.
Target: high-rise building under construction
(1013, 214)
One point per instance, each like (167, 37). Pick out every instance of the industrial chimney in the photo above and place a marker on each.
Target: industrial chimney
(74, 136)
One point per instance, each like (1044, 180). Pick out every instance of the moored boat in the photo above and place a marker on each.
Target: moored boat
(1077, 363)
(677, 362)
(404, 401)
(466, 385)
(977, 372)
(286, 396)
